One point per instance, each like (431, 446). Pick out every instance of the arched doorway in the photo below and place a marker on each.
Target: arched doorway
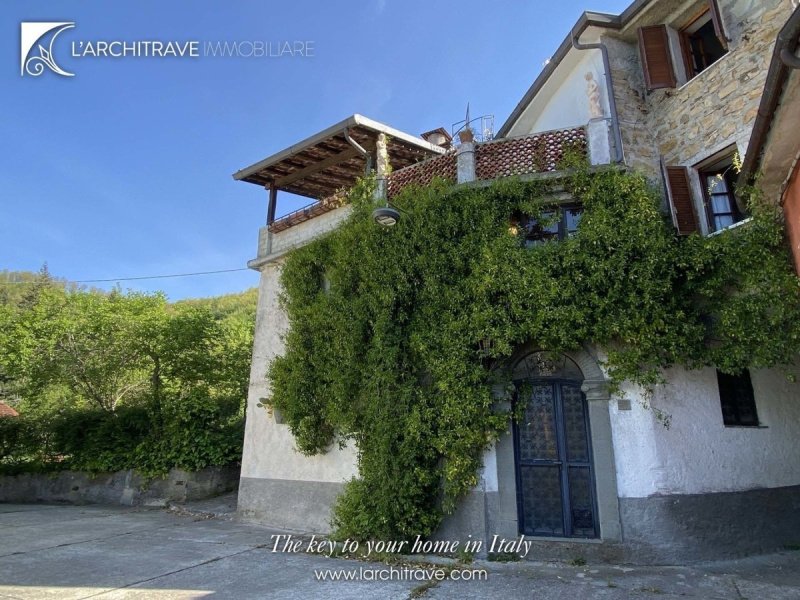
(552, 449)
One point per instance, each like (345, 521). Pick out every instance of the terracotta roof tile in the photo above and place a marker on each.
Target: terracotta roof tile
(7, 411)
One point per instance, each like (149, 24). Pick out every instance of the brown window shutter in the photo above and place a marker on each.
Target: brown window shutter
(656, 60)
(680, 196)
(716, 17)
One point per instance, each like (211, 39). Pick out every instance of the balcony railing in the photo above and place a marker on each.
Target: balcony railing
(309, 211)
(538, 153)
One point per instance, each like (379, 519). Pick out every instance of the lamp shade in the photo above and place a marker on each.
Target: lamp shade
(386, 216)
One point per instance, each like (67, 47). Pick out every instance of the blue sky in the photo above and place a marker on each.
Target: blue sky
(125, 169)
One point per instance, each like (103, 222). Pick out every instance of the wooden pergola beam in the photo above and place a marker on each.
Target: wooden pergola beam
(316, 167)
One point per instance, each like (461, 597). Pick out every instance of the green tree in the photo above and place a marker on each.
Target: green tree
(107, 381)
(87, 341)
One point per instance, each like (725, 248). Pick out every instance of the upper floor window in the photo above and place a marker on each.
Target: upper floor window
(700, 45)
(716, 179)
(720, 203)
(557, 224)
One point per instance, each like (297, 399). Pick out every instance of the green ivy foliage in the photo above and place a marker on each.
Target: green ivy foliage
(398, 335)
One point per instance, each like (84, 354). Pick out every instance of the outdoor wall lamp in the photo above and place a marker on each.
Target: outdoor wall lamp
(386, 216)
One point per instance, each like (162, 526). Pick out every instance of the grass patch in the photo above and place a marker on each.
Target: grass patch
(465, 557)
(503, 557)
(792, 547)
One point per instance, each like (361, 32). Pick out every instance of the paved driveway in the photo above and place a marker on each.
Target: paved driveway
(101, 552)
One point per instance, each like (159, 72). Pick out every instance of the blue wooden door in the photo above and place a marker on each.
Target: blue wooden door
(555, 482)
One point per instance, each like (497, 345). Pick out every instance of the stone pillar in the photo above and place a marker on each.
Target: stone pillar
(382, 167)
(599, 141)
(465, 157)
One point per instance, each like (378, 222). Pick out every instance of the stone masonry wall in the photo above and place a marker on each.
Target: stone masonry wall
(638, 143)
(127, 488)
(298, 235)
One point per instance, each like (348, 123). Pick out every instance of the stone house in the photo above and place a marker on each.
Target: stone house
(670, 88)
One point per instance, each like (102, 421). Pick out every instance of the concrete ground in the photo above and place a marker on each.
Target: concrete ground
(196, 552)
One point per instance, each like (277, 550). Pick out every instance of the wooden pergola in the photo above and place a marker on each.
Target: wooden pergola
(333, 159)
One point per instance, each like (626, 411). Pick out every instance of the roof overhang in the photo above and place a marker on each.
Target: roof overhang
(773, 146)
(335, 158)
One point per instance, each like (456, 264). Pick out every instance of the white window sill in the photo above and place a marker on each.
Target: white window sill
(729, 227)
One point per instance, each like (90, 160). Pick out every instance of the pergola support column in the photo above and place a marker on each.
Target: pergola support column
(382, 167)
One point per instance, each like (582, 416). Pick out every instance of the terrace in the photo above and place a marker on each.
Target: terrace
(325, 166)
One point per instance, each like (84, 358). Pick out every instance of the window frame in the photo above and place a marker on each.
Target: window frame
(706, 174)
(665, 49)
(523, 222)
(685, 35)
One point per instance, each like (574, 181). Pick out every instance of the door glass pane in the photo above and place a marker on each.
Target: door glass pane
(575, 424)
(541, 505)
(580, 497)
(537, 431)
(544, 364)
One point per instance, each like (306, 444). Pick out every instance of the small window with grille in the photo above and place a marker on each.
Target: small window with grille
(737, 400)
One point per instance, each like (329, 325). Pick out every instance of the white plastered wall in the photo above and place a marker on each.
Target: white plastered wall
(562, 102)
(697, 453)
(269, 449)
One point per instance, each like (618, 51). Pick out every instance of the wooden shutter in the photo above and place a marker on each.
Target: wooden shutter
(656, 59)
(680, 196)
(716, 17)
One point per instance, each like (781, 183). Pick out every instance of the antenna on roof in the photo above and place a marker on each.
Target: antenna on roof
(480, 128)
